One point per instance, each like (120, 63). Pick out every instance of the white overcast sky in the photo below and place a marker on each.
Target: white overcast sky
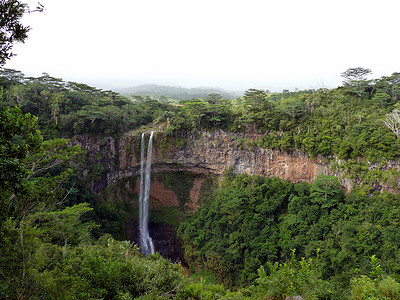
(226, 43)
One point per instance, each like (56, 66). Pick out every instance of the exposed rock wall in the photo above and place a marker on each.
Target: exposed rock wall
(164, 239)
(159, 195)
(205, 153)
(210, 153)
(110, 160)
(219, 151)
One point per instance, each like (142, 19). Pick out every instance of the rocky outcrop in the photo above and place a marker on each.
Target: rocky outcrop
(159, 195)
(111, 160)
(193, 205)
(219, 151)
(164, 239)
(209, 153)
(205, 153)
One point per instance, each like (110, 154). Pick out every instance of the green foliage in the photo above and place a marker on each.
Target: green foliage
(253, 221)
(108, 269)
(69, 108)
(111, 216)
(292, 107)
(238, 227)
(344, 123)
(12, 30)
(377, 286)
(355, 81)
(180, 182)
(19, 137)
(247, 221)
(291, 279)
(33, 172)
(10, 257)
(202, 290)
(65, 225)
(326, 191)
(167, 215)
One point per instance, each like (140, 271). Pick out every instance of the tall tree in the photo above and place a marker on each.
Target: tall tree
(18, 137)
(255, 94)
(256, 99)
(292, 107)
(390, 85)
(63, 225)
(326, 191)
(355, 80)
(213, 98)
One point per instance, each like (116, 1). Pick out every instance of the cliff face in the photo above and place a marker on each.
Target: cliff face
(110, 160)
(205, 153)
(219, 151)
(210, 153)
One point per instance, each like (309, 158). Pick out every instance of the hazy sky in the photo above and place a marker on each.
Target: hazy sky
(231, 44)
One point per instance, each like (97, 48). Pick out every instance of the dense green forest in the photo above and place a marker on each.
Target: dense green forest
(253, 221)
(262, 238)
(70, 108)
(252, 238)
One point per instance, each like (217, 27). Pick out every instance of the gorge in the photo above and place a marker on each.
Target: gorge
(214, 153)
(206, 153)
(195, 157)
(236, 186)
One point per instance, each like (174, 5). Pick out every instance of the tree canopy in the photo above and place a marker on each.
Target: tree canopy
(271, 238)
(11, 28)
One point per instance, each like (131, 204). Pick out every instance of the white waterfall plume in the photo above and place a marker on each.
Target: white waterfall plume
(145, 243)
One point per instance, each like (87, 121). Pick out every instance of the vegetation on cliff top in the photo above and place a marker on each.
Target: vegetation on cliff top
(347, 246)
(266, 218)
(348, 122)
(70, 108)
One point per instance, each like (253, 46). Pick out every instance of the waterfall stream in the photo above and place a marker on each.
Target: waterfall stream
(146, 243)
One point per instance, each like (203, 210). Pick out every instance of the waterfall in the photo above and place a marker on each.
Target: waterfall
(145, 242)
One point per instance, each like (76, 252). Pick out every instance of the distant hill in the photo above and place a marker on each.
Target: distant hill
(177, 93)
